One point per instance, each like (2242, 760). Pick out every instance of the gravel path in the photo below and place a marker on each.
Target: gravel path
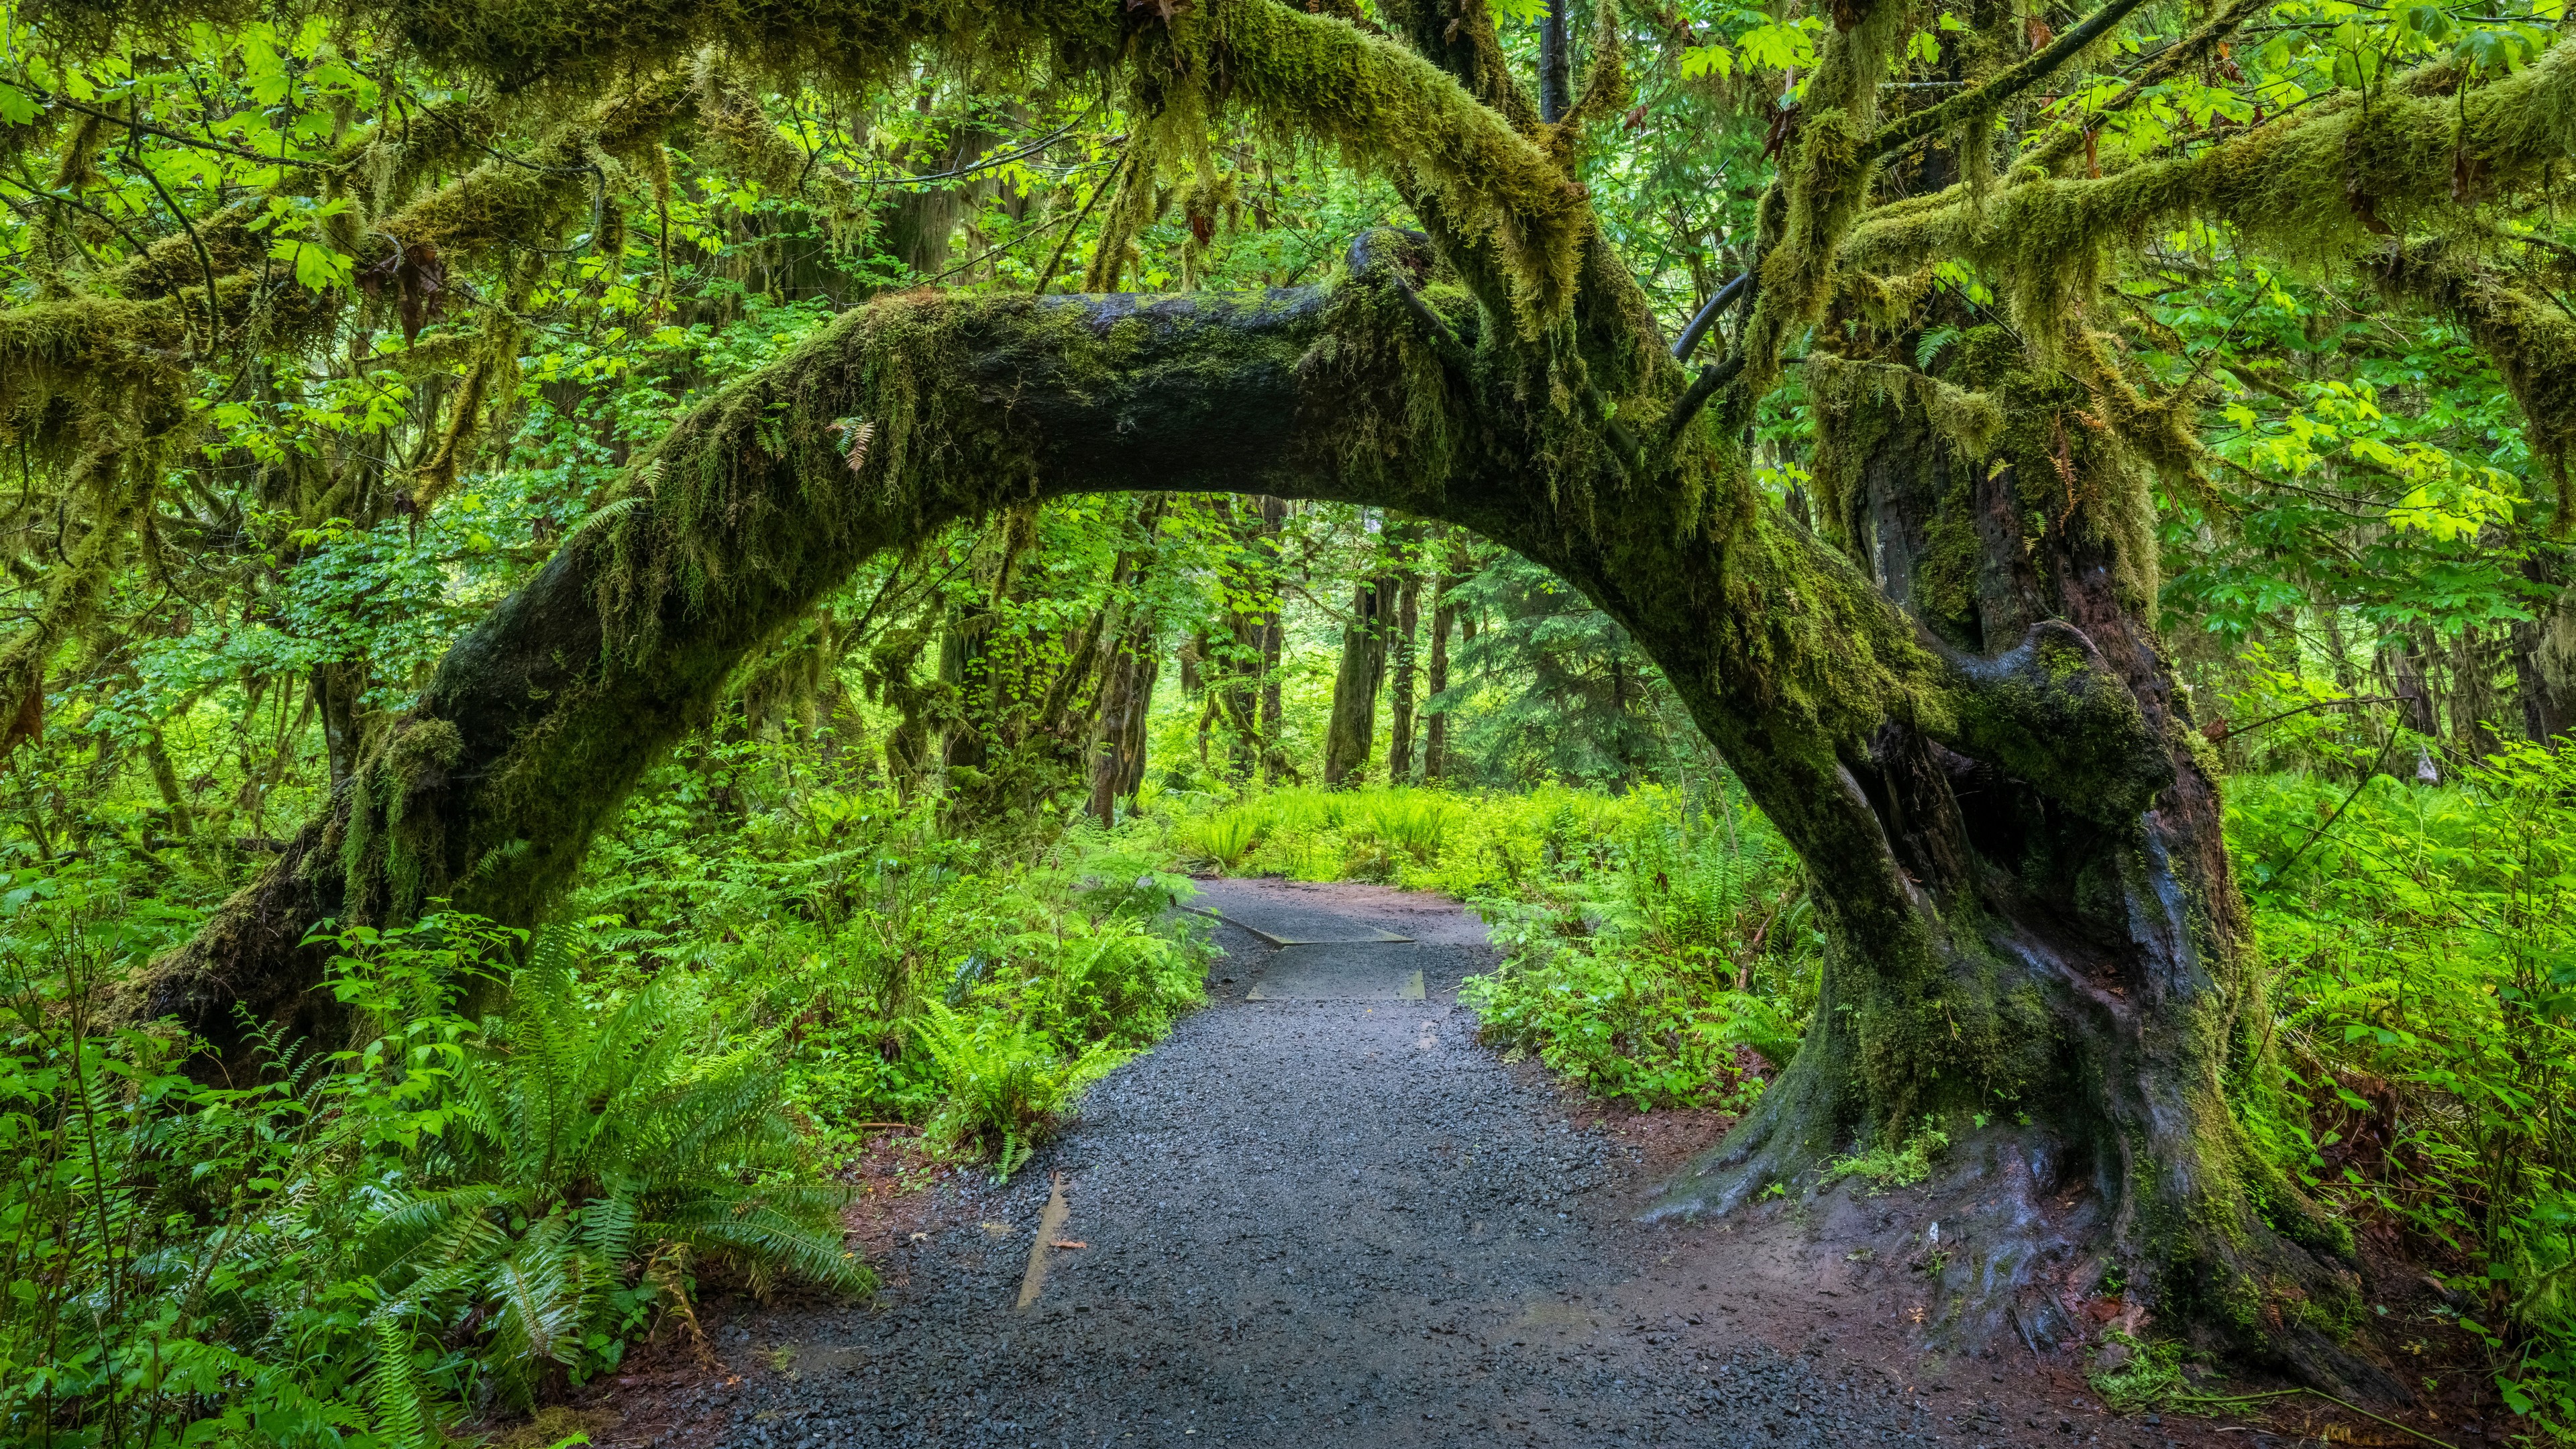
(1322, 1222)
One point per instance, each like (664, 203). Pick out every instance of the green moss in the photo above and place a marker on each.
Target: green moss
(2287, 187)
(1389, 110)
(2533, 344)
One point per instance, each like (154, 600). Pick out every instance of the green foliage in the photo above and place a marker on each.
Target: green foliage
(856, 940)
(1007, 1084)
(448, 1216)
(1648, 938)
(1896, 1160)
(2420, 1059)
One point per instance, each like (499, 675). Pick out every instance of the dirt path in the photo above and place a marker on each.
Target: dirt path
(1320, 1214)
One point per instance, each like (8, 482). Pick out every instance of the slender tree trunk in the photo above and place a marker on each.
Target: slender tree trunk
(2402, 666)
(1555, 64)
(1130, 659)
(2338, 653)
(1435, 733)
(338, 690)
(2475, 702)
(165, 780)
(1237, 679)
(1275, 764)
(1399, 735)
(1118, 740)
(966, 690)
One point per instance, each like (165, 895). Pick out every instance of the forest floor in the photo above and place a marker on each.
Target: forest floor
(1320, 1213)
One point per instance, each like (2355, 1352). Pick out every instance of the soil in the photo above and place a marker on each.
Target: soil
(1346, 1222)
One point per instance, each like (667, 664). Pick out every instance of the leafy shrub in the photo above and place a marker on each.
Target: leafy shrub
(1226, 837)
(1008, 1086)
(452, 1213)
(2419, 1059)
(832, 927)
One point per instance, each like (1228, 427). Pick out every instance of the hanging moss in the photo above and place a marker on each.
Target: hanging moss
(1389, 110)
(2533, 344)
(2316, 185)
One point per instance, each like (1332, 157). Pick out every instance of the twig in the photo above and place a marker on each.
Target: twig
(1057, 259)
(1994, 93)
(2227, 735)
(2320, 1393)
(2319, 833)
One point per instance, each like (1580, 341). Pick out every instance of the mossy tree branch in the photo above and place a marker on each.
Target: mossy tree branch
(2320, 184)
(1982, 100)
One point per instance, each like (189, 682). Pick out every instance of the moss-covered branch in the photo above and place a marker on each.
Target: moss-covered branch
(2318, 184)
(1985, 98)
(2533, 343)
(2173, 60)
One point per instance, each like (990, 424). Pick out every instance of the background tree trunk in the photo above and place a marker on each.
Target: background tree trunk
(1404, 545)
(2401, 664)
(1350, 733)
(1275, 765)
(1435, 742)
(2544, 655)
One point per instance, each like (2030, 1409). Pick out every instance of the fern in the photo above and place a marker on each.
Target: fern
(618, 1147)
(403, 1419)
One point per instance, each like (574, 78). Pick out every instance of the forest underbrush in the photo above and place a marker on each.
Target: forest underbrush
(461, 1214)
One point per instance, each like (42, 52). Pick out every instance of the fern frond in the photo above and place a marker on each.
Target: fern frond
(403, 1418)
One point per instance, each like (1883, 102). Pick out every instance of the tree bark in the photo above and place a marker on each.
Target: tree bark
(1555, 64)
(1998, 945)
(1129, 664)
(2401, 664)
(1275, 765)
(1399, 733)
(1350, 736)
(1435, 733)
(2543, 649)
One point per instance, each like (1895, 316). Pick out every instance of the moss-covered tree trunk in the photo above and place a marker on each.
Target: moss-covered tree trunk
(2060, 981)
(1435, 727)
(1350, 730)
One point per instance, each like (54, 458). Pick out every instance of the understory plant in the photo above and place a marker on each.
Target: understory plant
(448, 1217)
(881, 956)
(1651, 939)
(2418, 1061)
